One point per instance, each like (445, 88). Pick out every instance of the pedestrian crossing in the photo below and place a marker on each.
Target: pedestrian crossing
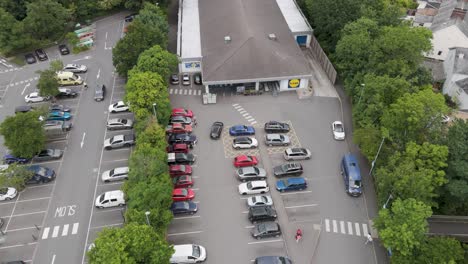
(244, 114)
(56, 231)
(346, 227)
(177, 91)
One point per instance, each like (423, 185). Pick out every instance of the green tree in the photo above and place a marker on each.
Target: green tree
(17, 8)
(146, 162)
(46, 19)
(403, 227)
(415, 117)
(454, 197)
(155, 192)
(368, 139)
(143, 90)
(23, 134)
(158, 60)
(131, 244)
(12, 36)
(148, 29)
(56, 65)
(154, 135)
(159, 218)
(109, 4)
(15, 176)
(441, 250)
(47, 84)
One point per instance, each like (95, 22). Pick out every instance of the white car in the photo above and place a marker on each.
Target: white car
(34, 97)
(110, 199)
(75, 68)
(338, 130)
(185, 79)
(120, 106)
(259, 200)
(116, 174)
(253, 187)
(7, 193)
(244, 143)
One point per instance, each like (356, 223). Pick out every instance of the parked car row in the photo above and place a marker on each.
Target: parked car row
(197, 79)
(42, 56)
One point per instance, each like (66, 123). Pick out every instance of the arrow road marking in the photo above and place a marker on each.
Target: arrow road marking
(82, 140)
(26, 86)
(84, 58)
(98, 73)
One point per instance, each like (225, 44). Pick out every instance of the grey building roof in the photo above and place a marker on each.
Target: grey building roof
(250, 54)
(463, 83)
(443, 17)
(437, 69)
(461, 61)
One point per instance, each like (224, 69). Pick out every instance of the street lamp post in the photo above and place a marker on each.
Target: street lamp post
(154, 109)
(376, 156)
(388, 200)
(362, 91)
(147, 213)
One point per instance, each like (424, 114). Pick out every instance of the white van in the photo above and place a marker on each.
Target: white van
(68, 78)
(110, 199)
(188, 253)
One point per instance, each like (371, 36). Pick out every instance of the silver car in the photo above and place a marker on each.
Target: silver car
(119, 123)
(259, 200)
(119, 141)
(116, 174)
(251, 173)
(75, 68)
(48, 154)
(297, 154)
(277, 140)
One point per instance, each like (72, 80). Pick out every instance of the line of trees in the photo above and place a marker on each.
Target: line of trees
(148, 65)
(421, 166)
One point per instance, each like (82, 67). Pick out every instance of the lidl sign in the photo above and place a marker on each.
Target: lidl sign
(294, 83)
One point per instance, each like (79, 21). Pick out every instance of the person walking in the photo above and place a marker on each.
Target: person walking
(369, 239)
(298, 235)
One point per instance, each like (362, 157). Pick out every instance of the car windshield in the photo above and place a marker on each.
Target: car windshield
(338, 128)
(101, 198)
(249, 185)
(257, 171)
(41, 171)
(111, 172)
(123, 121)
(3, 191)
(184, 192)
(285, 167)
(182, 168)
(355, 184)
(186, 206)
(262, 228)
(196, 251)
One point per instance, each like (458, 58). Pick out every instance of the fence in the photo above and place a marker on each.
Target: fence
(322, 58)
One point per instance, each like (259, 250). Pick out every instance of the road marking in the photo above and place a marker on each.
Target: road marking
(19, 245)
(111, 183)
(55, 231)
(358, 231)
(190, 92)
(235, 105)
(21, 229)
(335, 226)
(364, 230)
(186, 217)
(186, 233)
(299, 206)
(301, 192)
(45, 233)
(98, 227)
(247, 227)
(75, 228)
(98, 73)
(185, 91)
(22, 201)
(251, 119)
(199, 92)
(65, 230)
(350, 228)
(171, 91)
(253, 122)
(342, 227)
(53, 259)
(106, 211)
(106, 35)
(245, 114)
(176, 91)
(82, 140)
(40, 212)
(268, 241)
(327, 225)
(25, 87)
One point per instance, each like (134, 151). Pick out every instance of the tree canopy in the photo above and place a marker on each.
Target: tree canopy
(158, 60)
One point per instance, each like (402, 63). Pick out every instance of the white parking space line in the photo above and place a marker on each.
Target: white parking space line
(186, 217)
(350, 228)
(301, 192)
(110, 183)
(249, 227)
(106, 211)
(99, 227)
(40, 186)
(75, 228)
(245, 212)
(45, 233)
(55, 231)
(22, 201)
(364, 230)
(19, 245)
(10, 216)
(358, 231)
(196, 189)
(21, 229)
(342, 227)
(186, 233)
(65, 230)
(236, 105)
(300, 206)
(327, 225)
(48, 162)
(263, 242)
(335, 226)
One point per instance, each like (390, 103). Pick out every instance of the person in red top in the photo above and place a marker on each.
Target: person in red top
(298, 235)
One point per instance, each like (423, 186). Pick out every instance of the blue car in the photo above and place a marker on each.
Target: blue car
(291, 184)
(9, 159)
(59, 115)
(187, 207)
(241, 130)
(41, 174)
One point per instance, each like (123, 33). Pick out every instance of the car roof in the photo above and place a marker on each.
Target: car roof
(121, 170)
(259, 183)
(297, 180)
(298, 150)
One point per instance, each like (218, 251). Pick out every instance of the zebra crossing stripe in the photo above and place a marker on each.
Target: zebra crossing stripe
(235, 105)
(199, 92)
(75, 228)
(55, 231)
(65, 230)
(251, 119)
(253, 122)
(364, 230)
(190, 92)
(350, 228)
(241, 110)
(342, 227)
(185, 91)
(176, 91)
(335, 227)
(171, 91)
(327, 225)
(45, 234)
(358, 231)
(246, 114)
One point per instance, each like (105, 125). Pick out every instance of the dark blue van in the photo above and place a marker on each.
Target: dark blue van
(351, 175)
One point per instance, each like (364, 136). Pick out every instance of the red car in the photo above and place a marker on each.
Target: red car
(178, 128)
(184, 181)
(182, 194)
(178, 170)
(178, 148)
(182, 112)
(244, 161)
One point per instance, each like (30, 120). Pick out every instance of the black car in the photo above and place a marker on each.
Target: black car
(99, 92)
(40, 53)
(187, 207)
(288, 169)
(41, 174)
(276, 127)
(174, 79)
(23, 109)
(266, 229)
(66, 93)
(216, 130)
(59, 107)
(272, 260)
(30, 59)
(188, 139)
(63, 49)
(130, 17)
(197, 79)
(262, 213)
